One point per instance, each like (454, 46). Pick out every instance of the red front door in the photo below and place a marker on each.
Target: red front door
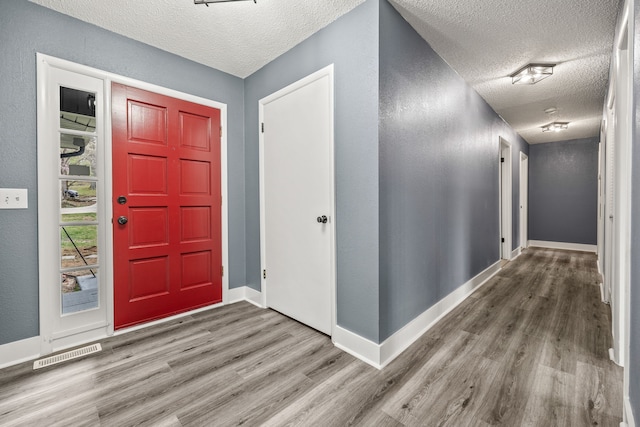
(166, 207)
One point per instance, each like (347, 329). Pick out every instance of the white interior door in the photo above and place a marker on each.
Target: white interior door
(298, 200)
(601, 203)
(622, 208)
(505, 200)
(524, 199)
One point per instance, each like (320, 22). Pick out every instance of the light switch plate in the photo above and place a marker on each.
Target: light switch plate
(13, 198)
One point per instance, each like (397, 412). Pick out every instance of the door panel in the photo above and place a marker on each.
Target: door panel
(298, 189)
(168, 248)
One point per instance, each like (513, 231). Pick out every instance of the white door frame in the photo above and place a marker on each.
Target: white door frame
(49, 202)
(601, 202)
(621, 105)
(619, 111)
(324, 72)
(524, 200)
(609, 194)
(506, 197)
(56, 329)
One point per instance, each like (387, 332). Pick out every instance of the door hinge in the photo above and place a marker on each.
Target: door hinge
(220, 132)
(264, 274)
(222, 270)
(501, 159)
(262, 127)
(502, 240)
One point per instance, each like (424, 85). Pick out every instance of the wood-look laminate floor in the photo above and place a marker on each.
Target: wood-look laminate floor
(528, 348)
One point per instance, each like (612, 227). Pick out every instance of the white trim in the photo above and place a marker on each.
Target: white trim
(357, 346)
(628, 414)
(17, 352)
(516, 253)
(399, 341)
(505, 186)
(236, 295)
(562, 245)
(523, 199)
(252, 296)
(327, 71)
(54, 327)
(245, 293)
(77, 339)
(602, 297)
(106, 196)
(612, 357)
(380, 355)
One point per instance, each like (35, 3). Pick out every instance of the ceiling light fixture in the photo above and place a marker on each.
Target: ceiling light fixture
(555, 127)
(206, 2)
(532, 73)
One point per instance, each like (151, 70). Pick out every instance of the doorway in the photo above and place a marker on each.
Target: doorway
(297, 201)
(619, 174)
(166, 205)
(76, 200)
(524, 200)
(505, 199)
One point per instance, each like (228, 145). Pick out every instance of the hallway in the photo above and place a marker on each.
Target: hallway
(528, 348)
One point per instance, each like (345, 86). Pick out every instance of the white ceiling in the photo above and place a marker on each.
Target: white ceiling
(484, 41)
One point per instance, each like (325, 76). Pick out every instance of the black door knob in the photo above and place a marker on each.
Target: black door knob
(323, 219)
(123, 220)
(122, 200)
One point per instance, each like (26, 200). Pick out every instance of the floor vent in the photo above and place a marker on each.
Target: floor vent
(69, 355)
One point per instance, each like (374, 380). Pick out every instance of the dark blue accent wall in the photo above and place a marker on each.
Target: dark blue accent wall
(26, 28)
(634, 328)
(439, 198)
(351, 43)
(563, 191)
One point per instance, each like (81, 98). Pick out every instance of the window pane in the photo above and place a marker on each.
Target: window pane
(79, 291)
(77, 110)
(77, 155)
(78, 245)
(78, 201)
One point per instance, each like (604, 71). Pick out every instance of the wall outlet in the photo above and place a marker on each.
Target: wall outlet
(13, 198)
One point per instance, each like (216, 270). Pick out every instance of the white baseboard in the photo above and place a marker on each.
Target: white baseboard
(562, 245)
(399, 341)
(628, 414)
(380, 355)
(245, 293)
(613, 358)
(19, 351)
(357, 346)
(516, 253)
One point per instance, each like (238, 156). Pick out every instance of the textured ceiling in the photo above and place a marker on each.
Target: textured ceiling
(484, 41)
(235, 37)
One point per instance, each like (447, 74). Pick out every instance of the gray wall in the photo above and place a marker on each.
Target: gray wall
(351, 43)
(439, 201)
(455, 198)
(634, 331)
(25, 29)
(563, 191)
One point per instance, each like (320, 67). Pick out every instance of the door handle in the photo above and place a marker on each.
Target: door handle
(123, 220)
(122, 200)
(323, 219)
